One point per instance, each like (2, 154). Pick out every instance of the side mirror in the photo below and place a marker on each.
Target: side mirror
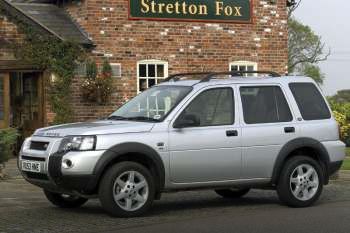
(187, 120)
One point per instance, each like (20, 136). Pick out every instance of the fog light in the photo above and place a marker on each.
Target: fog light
(66, 164)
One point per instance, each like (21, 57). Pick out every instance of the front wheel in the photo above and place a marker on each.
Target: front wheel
(64, 201)
(301, 182)
(127, 190)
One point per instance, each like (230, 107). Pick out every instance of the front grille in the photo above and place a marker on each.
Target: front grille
(34, 145)
(33, 158)
(37, 176)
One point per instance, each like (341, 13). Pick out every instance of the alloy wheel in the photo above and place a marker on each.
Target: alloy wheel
(304, 182)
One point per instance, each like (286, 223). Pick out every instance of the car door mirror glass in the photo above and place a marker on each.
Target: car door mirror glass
(187, 120)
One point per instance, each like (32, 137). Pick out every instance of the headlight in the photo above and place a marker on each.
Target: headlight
(26, 144)
(78, 143)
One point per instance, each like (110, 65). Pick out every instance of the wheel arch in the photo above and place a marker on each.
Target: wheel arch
(135, 152)
(302, 146)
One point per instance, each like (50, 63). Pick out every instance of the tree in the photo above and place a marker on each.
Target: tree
(342, 97)
(313, 71)
(305, 48)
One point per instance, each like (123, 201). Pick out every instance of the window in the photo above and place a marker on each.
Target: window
(212, 107)
(116, 70)
(264, 104)
(150, 73)
(244, 66)
(80, 69)
(153, 104)
(311, 103)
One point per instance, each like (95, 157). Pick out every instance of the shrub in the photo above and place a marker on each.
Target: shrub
(8, 139)
(97, 87)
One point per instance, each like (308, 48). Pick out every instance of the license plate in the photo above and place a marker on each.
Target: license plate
(31, 166)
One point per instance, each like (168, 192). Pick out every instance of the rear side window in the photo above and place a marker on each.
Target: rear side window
(264, 104)
(311, 103)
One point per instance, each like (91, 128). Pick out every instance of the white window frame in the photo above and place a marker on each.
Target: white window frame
(151, 62)
(246, 64)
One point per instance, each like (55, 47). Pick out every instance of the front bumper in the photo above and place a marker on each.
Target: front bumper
(77, 179)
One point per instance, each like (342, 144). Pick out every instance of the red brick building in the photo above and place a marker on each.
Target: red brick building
(141, 50)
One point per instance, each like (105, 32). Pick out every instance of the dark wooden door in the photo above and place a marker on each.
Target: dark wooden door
(4, 100)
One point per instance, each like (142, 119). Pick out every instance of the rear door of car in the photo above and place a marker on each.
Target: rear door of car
(267, 124)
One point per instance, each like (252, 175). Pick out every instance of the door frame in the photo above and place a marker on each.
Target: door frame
(5, 123)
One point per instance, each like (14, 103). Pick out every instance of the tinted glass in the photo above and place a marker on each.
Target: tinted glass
(212, 107)
(311, 103)
(265, 104)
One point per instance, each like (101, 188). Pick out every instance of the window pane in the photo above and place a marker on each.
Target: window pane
(250, 68)
(142, 70)
(151, 82)
(264, 105)
(151, 70)
(116, 70)
(311, 103)
(242, 68)
(2, 107)
(212, 107)
(160, 71)
(142, 84)
(234, 68)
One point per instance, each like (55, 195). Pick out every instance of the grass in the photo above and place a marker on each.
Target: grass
(346, 163)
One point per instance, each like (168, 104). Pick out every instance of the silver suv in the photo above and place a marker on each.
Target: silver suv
(216, 131)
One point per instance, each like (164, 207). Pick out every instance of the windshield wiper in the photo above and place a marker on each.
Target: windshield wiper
(142, 118)
(117, 118)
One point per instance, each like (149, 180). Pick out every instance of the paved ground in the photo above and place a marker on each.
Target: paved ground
(23, 208)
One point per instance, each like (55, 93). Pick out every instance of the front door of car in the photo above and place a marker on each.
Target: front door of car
(204, 139)
(267, 125)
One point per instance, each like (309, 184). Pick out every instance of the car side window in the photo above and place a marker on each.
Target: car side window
(212, 107)
(264, 104)
(310, 101)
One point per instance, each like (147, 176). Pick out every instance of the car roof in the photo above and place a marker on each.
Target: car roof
(240, 80)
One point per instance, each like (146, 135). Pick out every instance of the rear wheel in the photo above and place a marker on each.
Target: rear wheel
(65, 201)
(127, 190)
(232, 193)
(301, 182)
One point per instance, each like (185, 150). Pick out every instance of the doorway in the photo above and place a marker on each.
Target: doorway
(21, 101)
(26, 101)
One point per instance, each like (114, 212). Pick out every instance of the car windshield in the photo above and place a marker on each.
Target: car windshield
(153, 104)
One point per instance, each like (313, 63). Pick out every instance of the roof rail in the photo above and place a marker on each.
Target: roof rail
(210, 75)
(239, 73)
(177, 77)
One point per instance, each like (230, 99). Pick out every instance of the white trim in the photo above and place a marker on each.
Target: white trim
(151, 62)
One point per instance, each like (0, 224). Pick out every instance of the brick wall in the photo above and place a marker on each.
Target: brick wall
(186, 46)
(8, 35)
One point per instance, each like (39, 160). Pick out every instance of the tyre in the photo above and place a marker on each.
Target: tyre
(127, 190)
(232, 193)
(65, 201)
(301, 182)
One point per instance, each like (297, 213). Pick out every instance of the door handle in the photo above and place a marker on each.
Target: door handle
(289, 130)
(231, 133)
